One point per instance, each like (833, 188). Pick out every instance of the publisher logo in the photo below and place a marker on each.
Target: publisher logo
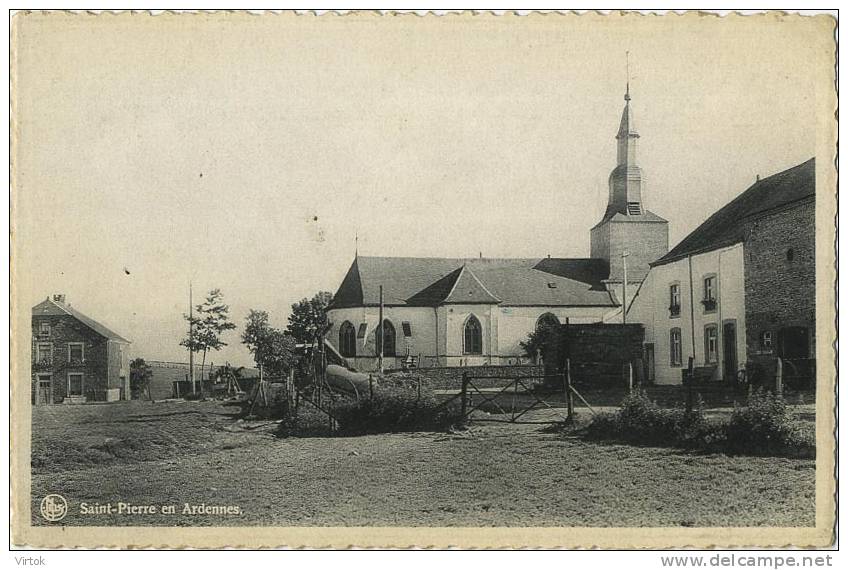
(54, 507)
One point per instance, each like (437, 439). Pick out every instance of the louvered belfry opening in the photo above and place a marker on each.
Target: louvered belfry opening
(634, 209)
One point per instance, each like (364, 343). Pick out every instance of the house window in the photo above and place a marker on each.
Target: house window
(711, 344)
(75, 384)
(790, 255)
(76, 352)
(407, 329)
(387, 332)
(709, 294)
(675, 348)
(674, 300)
(44, 329)
(472, 337)
(363, 331)
(44, 353)
(765, 340)
(347, 339)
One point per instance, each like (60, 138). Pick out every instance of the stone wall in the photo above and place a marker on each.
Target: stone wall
(598, 353)
(450, 378)
(66, 329)
(780, 290)
(780, 276)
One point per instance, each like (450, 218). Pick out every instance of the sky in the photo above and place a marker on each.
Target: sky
(246, 153)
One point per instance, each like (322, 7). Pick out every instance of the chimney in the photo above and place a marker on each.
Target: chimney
(758, 177)
(59, 298)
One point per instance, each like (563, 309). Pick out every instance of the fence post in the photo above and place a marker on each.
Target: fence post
(569, 396)
(690, 374)
(630, 376)
(778, 377)
(464, 397)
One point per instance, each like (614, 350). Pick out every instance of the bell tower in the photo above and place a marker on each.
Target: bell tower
(628, 227)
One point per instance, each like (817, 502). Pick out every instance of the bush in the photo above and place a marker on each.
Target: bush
(396, 409)
(765, 427)
(640, 420)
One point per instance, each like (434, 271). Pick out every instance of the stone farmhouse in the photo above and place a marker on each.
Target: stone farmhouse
(75, 359)
(476, 311)
(738, 291)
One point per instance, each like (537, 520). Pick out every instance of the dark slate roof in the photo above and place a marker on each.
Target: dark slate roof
(468, 289)
(430, 281)
(51, 307)
(726, 226)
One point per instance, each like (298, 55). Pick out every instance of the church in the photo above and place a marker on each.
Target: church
(477, 311)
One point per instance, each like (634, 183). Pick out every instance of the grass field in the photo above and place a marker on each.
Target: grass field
(173, 453)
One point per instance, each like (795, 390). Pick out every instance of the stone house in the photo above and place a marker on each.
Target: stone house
(476, 311)
(75, 359)
(739, 290)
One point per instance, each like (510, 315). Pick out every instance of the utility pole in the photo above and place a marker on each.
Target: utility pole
(624, 290)
(382, 332)
(191, 339)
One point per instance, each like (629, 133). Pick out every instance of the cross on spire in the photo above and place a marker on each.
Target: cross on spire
(627, 93)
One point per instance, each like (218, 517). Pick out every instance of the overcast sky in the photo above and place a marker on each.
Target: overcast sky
(246, 152)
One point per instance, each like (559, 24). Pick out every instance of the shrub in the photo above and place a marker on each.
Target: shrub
(640, 420)
(396, 409)
(765, 427)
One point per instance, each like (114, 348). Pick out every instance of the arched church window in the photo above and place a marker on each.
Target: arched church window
(387, 331)
(472, 337)
(547, 321)
(347, 339)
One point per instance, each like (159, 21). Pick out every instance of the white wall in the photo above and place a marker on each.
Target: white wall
(650, 308)
(503, 330)
(422, 342)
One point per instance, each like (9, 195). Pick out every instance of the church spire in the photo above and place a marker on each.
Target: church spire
(625, 182)
(628, 230)
(627, 134)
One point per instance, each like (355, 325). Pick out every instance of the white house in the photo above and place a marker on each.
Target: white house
(738, 289)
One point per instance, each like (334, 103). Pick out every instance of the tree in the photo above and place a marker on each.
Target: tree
(256, 327)
(278, 353)
(140, 375)
(207, 326)
(272, 349)
(537, 341)
(309, 317)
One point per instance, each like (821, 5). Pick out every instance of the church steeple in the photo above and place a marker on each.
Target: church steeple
(625, 182)
(628, 229)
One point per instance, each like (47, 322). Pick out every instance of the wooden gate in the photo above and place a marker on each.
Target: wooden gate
(517, 395)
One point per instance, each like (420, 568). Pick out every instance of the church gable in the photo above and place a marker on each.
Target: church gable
(435, 293)
(469, 290)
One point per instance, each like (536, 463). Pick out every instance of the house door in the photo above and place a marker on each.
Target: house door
(44, 390)
(649, 363)
(730, 360)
